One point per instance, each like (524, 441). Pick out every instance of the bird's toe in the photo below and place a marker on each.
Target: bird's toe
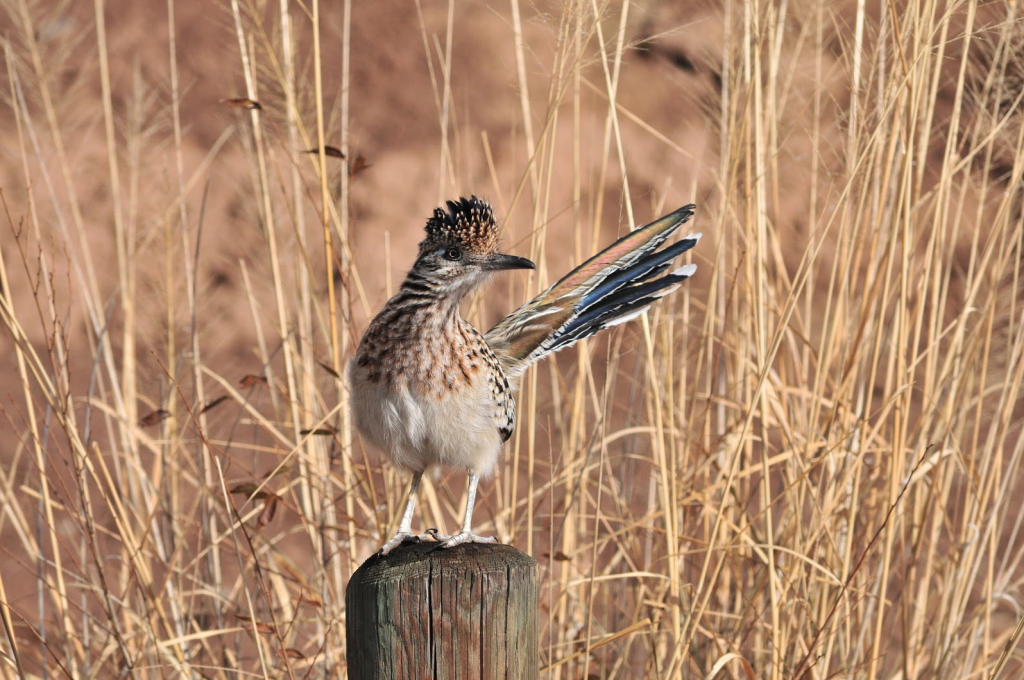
(467, 537)
(408, 537)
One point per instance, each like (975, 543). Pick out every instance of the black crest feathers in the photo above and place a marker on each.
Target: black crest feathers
(468, 222)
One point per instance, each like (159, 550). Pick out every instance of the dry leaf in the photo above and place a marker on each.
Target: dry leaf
(154, 418)
(358, 165)
(332, 151)
(327, 367)
(251, 380)
(211, 404)
(278, 471)
(320, 431)
(311, 599)
(264, 628)
(266, 515)
(242, 103)
(250, 489)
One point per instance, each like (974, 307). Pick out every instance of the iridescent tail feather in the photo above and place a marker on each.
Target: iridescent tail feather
(614, 286)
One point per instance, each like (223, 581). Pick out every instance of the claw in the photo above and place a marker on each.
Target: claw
(433, 533)
(466, 537)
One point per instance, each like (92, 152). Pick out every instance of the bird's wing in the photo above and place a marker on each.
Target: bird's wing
(612, 287)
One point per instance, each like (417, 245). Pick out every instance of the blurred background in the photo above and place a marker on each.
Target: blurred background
(806, 463)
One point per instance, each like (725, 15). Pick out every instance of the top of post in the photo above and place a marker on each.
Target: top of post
(410, 560)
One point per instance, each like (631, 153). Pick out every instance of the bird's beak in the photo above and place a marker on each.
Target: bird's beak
(500, 262)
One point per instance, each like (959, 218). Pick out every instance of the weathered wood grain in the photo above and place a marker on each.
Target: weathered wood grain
(467, 613)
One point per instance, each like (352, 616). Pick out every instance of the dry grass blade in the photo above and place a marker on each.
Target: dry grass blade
(806, 463)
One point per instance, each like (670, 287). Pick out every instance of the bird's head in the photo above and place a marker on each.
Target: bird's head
(461, 247)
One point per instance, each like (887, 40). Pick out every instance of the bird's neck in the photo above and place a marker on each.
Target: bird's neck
(423, 298)
(425, 291)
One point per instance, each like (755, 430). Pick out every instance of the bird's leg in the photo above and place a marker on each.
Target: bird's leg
(467, 535)
(405, 526)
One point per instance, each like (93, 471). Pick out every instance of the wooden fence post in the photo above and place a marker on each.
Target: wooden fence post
(469, 612)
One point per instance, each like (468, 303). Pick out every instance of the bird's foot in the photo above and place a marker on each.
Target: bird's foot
(466, 537)
(409, 537)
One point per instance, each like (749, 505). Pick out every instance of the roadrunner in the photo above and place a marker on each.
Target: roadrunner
(429, 389)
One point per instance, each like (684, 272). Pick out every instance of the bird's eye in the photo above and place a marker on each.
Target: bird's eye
(453, 254)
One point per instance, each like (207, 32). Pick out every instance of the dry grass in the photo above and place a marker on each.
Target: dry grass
(807, 466)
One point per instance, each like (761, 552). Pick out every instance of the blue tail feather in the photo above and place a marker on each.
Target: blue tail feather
(612, 287)
(620, 304)
(646, 268)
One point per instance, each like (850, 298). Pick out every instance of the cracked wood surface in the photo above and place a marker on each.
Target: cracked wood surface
(467, 613)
